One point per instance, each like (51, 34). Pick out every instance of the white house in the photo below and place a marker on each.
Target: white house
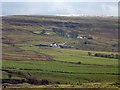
(53, 45)
(79, 37)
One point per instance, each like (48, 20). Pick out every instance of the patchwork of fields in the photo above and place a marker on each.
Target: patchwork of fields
(64, 68)
(25, 63)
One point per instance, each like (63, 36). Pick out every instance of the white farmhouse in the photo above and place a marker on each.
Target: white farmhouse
(79, 37)
(53, 45)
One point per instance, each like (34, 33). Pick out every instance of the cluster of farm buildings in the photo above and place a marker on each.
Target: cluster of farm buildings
(85, 38)
(55, 45)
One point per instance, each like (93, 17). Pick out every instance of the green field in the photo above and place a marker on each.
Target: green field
(64, 67)
(24, 62)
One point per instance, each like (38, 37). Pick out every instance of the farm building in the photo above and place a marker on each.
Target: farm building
(53, 45)
(43, 45)
(84, 37)
(63, 46)
(79, 37)
(88, 37)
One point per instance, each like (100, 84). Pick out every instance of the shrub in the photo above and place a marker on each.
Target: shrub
(89, 53)
(117, 56)
(107, 55)
(9, 76)
(78, 63)
(57, 82)
(44, 82)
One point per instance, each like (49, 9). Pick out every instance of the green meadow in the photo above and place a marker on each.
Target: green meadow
(25, 64)
(64, 67)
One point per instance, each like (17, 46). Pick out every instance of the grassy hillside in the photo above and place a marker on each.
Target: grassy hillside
(25, 63)
(104, 30)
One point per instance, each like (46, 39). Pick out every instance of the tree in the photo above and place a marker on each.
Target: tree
(89, 53)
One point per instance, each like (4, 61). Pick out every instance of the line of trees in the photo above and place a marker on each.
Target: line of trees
(115, 56)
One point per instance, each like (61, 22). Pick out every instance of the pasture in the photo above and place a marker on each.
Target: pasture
(64, 67)
(26, 64)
